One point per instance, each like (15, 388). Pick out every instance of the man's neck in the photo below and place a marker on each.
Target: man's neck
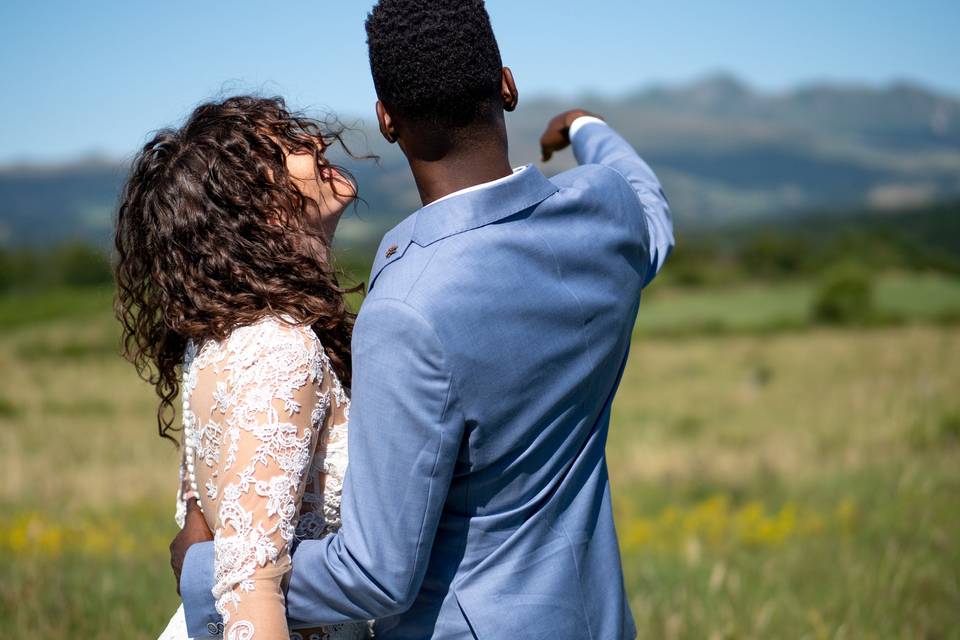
(438, 178)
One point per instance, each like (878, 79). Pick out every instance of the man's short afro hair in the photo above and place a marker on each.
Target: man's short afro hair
(435, 61)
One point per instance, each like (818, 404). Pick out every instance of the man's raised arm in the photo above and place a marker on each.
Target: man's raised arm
(595, 142)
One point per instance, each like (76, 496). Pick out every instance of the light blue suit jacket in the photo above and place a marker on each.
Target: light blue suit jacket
(486, 358)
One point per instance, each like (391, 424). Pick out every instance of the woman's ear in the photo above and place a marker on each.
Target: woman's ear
(387, 129)
(508, 90)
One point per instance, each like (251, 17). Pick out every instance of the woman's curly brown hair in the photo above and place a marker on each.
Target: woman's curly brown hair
(211, 235)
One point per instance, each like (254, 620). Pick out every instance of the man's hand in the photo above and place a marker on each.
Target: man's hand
(557, 136)
(194, 530)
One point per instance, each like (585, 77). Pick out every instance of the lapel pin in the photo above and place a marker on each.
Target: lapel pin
(392, 249)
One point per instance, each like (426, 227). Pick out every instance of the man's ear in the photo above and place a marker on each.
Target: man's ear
(508, 90)
(387, 129)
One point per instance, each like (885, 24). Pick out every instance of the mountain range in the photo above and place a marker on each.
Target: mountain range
(724, 151)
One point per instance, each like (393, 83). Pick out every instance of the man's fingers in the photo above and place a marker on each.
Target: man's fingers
(557, 135)
(177, 565)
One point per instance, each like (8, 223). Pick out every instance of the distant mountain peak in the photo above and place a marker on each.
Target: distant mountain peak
(719, 91)
(723, 87)
(720, 85)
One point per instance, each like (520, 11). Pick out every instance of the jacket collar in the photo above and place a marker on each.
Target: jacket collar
(463, 212)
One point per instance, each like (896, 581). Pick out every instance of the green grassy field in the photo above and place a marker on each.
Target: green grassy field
(763, 308)
(771, 479)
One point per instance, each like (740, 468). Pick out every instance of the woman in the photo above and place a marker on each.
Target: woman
(228, 298)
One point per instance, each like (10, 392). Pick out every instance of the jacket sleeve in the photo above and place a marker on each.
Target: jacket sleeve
(404, 437)
(196, 589)
(597, 143)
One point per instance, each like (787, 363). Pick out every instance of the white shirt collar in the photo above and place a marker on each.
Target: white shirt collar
(483, 185)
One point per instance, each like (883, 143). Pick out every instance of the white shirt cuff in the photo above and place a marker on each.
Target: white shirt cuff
(579, 123)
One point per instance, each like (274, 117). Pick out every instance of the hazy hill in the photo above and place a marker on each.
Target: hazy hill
(41, 205)
(724, 151)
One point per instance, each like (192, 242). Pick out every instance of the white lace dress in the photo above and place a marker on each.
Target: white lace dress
(265, 452)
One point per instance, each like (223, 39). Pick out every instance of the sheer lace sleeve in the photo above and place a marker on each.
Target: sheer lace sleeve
(260, 390)
(320, 511)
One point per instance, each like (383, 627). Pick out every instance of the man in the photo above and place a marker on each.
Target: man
(486, 358)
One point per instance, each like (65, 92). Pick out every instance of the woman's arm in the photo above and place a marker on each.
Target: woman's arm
(264, 395)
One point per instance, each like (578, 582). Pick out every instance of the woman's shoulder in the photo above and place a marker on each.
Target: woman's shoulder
(268, 342)
(275, 337)
(274, 330)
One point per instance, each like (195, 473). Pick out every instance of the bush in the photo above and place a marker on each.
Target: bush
(927, 434)
(80, 265)
(69, 265)
(6, 277)
(845, 296)
(701, 263)
(775, 255)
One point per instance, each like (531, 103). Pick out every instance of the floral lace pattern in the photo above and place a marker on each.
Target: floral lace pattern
(268, 419)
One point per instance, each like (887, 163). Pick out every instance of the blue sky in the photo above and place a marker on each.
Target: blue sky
(84, 77)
